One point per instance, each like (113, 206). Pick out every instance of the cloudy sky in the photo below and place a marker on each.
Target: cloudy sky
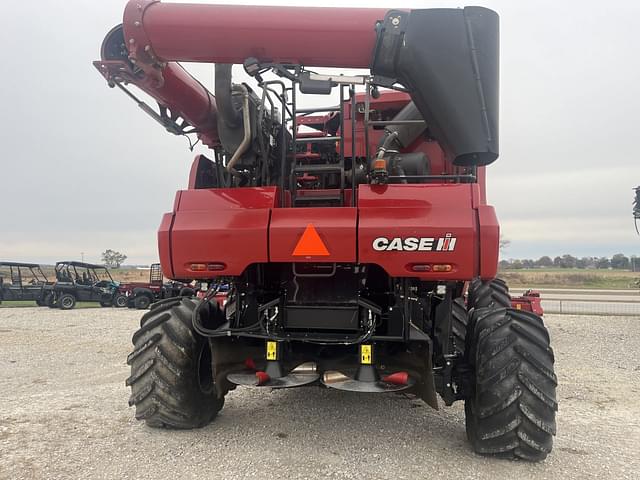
(82, 169)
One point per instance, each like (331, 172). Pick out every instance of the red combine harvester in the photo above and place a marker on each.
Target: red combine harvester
(347, 233)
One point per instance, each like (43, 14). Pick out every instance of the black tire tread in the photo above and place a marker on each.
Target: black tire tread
(489, 294)
(459, 323)
(512, 411)
(164, 370)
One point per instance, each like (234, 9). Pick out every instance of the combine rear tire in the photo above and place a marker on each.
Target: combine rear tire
(490, 294)
(66, 301)
(171, 370)
(511, 409)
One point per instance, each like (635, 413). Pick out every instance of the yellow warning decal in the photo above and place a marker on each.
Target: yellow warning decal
(365, 354)
(272, 351)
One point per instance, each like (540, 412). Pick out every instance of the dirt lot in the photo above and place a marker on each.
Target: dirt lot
(64, 414)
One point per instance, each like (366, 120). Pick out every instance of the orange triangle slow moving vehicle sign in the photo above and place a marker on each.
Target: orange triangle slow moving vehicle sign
(310, 244)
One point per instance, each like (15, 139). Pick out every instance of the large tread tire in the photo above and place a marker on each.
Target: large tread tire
(459, 324)
(512, 407)
(171, 379)
(490, 294)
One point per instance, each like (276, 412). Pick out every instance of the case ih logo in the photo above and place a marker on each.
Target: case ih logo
(415, 244)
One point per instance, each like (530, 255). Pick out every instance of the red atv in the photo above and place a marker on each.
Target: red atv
(141, 295)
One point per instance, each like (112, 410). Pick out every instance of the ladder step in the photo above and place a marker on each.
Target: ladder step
(318, 169)
(318, 199)
(317, 139)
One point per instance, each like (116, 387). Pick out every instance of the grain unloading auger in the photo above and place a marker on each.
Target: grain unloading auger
(355, 239)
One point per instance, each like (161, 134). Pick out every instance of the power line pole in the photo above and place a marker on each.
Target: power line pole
(82, 254)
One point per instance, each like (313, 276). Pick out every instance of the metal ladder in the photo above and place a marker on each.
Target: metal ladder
(337, 199)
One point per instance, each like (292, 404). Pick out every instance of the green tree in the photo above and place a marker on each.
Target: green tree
(568, 261)
(517, 264)
(113, 259)
(544, 262)
(504, 264)
(620, 261)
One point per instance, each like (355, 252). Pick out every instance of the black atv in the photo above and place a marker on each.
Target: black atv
(21, 281)
(81, 282)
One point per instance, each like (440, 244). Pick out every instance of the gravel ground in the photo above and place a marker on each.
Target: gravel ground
(64, 414)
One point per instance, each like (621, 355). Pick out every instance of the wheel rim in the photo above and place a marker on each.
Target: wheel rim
(67, 302)
(121, 301)
(205, 370)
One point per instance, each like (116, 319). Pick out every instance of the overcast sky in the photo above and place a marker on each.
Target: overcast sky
(82, 169)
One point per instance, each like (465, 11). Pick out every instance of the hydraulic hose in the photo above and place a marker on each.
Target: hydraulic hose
(386, 144)
(251, 332)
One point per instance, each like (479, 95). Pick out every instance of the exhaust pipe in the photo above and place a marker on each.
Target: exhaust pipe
(246, 123)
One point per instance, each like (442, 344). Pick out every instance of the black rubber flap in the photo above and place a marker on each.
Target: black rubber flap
(449, 60)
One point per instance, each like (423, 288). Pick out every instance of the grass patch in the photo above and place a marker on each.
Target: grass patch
(571, 278)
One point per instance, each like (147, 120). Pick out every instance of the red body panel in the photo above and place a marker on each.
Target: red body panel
(201, 33)
(223, 226)
(164, 244)
(130, 286)
(489, 241)
(418, 211)
(241, 226)
(335, 226)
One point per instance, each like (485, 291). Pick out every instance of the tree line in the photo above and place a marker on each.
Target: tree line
(619, 261)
